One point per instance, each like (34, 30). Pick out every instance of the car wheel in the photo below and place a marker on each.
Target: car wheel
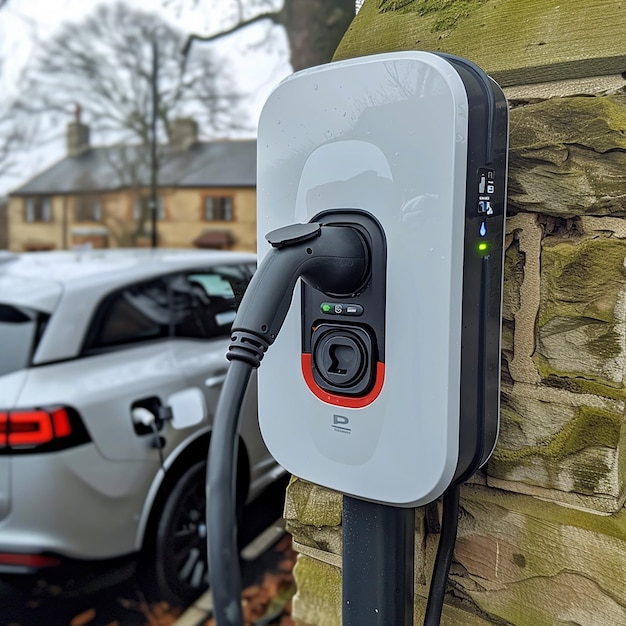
(179, 555)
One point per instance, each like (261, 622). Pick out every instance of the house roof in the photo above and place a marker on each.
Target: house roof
(204, 164)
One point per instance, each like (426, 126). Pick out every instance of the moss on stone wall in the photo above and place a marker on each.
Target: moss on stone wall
(446, 12)
(534, 562)
(568, 156)
(515, 41)
(581, 325)
(318, 600)
(314, 505)
(577, 384)
(582, 279)
(591, 428)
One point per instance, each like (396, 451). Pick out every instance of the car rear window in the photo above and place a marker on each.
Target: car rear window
(199, 304)
(135, 314)
(20, 331)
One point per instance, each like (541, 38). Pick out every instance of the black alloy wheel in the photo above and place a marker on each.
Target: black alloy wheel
(180, 551)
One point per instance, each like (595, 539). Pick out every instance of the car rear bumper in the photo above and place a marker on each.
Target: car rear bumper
(73, 503)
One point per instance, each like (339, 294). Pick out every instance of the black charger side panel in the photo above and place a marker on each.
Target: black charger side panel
(482, 268)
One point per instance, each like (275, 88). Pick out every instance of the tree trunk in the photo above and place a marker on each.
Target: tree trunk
(314, 29)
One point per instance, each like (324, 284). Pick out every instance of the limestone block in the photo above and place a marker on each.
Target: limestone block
(564, 361)
(521, 296)
(516, 41)
(524, 562)
(313, 515)
(568, 156)
(318, 599)
(581, 328)
(562, 446)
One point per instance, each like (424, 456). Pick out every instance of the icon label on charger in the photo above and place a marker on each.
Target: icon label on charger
(486, 188)
(341, 308)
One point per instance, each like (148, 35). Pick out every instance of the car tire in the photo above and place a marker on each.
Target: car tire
(177, 562)
(179, 553)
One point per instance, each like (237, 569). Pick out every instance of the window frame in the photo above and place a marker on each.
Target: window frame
(96, 321)
(136, 208)
(89, 213)
(39, 321)
(38, 210)
(101, 312)
(223, 209)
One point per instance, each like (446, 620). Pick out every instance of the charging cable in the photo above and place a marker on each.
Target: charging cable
(447, 539)
(142, 415)
(331, 258)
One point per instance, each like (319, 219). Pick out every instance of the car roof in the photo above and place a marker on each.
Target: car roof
(38, 279)
(68, 266)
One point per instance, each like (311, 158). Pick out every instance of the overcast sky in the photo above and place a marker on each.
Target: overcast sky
(24, 22)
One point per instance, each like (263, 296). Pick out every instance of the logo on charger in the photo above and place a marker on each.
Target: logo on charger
(340, 424)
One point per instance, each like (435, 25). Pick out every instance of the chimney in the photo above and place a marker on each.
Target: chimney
(77, 138)
(183, 133)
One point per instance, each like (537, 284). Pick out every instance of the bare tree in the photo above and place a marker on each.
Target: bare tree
(314, 27)
(125, 70)
(105, 64)
(13, 133)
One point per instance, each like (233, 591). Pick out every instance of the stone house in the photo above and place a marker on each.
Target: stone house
(3, 222)
(100, 196)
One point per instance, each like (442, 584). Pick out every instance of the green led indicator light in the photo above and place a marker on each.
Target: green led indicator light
(483, 246)
(326, 308)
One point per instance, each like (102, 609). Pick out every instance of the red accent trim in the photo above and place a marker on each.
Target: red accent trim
(349, 402)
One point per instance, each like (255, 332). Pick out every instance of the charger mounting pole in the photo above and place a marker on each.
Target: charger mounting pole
(378, 564)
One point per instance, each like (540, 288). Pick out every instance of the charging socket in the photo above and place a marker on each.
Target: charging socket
(343, 358)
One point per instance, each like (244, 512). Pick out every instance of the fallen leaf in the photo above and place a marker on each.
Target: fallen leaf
(83, 618)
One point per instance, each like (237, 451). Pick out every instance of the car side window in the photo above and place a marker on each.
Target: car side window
(134, 314)
(204, 302)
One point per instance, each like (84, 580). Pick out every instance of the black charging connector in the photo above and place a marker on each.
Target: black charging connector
(331, 258)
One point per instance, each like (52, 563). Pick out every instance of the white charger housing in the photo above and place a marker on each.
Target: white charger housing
(416, 142)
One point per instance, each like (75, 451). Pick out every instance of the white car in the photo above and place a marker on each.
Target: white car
(106, 358)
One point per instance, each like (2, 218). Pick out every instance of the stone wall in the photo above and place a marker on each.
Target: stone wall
(542, 531)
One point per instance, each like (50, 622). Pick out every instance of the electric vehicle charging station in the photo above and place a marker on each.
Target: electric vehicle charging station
(382, 185)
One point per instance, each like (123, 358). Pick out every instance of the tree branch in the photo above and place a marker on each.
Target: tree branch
(274, 16)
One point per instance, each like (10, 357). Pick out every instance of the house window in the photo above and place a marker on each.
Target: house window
(141, 209)
(218, 209)
(38, 209)
(87, 209)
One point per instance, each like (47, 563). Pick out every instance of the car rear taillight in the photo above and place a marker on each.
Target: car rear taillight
(29, 561)
(41, 430)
